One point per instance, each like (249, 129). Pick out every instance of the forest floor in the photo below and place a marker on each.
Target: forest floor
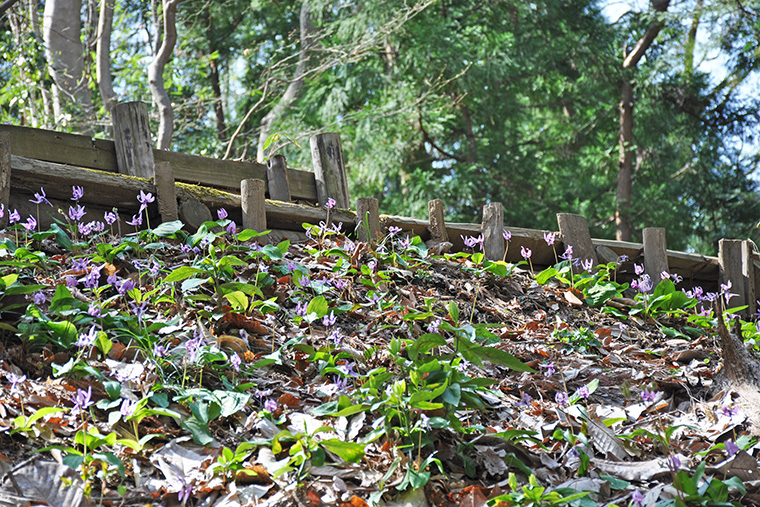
(172, 369)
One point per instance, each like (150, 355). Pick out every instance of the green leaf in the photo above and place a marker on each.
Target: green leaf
(183, 273)
(350, 452)
(199, 431)
(600, 293)
(167, 229)
(238, 300)
(454, 312)
(317, 306)
(546, 275)
(247, 234)
(500, 357)
(231, 402)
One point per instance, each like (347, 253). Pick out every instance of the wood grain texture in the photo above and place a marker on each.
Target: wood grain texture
(655, 253)
(132, 140)
(329, 169)
(492, 227)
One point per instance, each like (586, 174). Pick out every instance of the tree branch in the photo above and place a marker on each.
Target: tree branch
(6, 5)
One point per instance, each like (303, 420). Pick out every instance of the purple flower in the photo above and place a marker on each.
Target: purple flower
(731, 448)
(583, 392)
(341, 384)
(587, 265)
(270, 405)
(645, 283)
(304, 281)
(330, 204)
(183, 495)
(127, 408)
(30, 224)
(433, 326)
(40, 197)
(507, 235)
(348, 369)
(140, 310)
(329, 320)
(638, 268)
(674, 462)
(336, 337)
(2, 210)
(77, 193)
(221, 213)
(235, 362)
(562, 399)
(525, 252)
(637, 499)
(472, 241)
(729, 412)
(94, 310)
(110, 217)
(372, 265)
(231, 227)
(568, 255)
(549, 368)
(664, 275)
(193, 346)
(87, 339)
(623, 258)
(76, 212)
(393, 230)
(649, 396)
(340, 283)
(71, 282)
(14, 216)
(15, 380)
(525, 401)
(725, 289)
(145, 199)
(404, 243)
(82, 400)
(155, 268)
(39, 298)
(92, 279)
(336, 227)
(159, 350)
(301, 309)
(85, 229)
(126, 286)
(136, 220)
(550, 237)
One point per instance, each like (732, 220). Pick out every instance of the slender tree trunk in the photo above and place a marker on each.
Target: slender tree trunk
(294, 88)
(156, 76)
(103, 55)
(625, 164)
(691, 41)
(623, 223)
(221, 127)
(62, 33)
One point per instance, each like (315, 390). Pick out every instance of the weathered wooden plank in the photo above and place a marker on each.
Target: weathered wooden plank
(277, 179)
(329, 169)
(193, 212)
(655, 253)
(62, 148)
(573, 230)
(368, 219)
(166, 192)
(5, 177)
(101, 188)
(253, 201)
(492, 227)
(132, 139)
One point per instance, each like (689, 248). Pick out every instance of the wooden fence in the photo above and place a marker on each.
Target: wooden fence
(193, 188)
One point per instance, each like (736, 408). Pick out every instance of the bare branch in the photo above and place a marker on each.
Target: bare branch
(156, 75)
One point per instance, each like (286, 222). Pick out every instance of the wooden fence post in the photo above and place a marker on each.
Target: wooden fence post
(5, 177)
(748, 273)
(329, 169)
(131, 136)
(193, 212)
(735, 258)
(655, 253)
(573, 231)
(492, 227)
(277, 179)
(166, 191)
(367, 219)
(437, 224)
(253, 200)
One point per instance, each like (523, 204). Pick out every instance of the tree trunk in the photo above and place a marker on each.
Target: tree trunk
(625, 164)
(62, 33)
(156, 76)
(294, 88)
(221, 126)
(625, 137)
(103, 55)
